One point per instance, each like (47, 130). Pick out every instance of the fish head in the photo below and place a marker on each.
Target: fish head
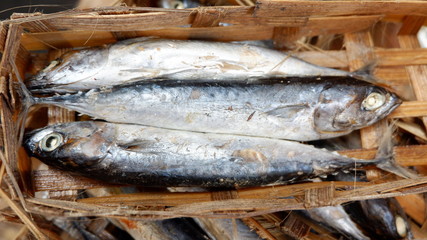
(68, 146)
(350, 106)
(388, 217)
(71, 67)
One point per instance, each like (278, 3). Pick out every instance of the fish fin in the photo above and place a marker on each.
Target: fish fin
(386, 156)
(366, 73)
(27, 100)
(137, 145)
(25, 94)
(287, 111)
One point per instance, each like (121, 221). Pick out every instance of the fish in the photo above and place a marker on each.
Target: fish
(156, 157)
(147, 59)
(337, 218)
(300, 109)
(382, 218)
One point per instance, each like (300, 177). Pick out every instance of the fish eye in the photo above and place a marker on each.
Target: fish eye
(373, 101)
(401, 226)
(51, 141)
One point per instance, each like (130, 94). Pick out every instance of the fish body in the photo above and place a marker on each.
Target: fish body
(337, 218)
(133, 154)
(143, 59)
(300, 109)
(389, 218)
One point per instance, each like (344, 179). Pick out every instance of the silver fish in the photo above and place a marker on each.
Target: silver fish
(337, 218)
(133, 154)
(147, 58)
(300, 109)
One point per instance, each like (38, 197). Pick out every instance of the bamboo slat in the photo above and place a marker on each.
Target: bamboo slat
(68, 39)
(414, 206)
(339, 8)
(410, 109)
(337, 25)
(55, 180)
(3, 34)
(417, 74)
(285, 37)
(260, 230)
(395, 75)
(11, 49)
(239, 207)
(414, 155)
(244, 16)
(93, 21)
(97, 36)
(401, 57)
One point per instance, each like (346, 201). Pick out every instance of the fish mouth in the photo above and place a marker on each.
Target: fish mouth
(29, 144)
(30, 147)
(394, 102)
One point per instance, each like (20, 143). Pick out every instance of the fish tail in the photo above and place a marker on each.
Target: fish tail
(386, 158)
(27, 98)
(365, 73)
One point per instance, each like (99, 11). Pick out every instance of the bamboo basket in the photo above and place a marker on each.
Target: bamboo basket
(382, 31)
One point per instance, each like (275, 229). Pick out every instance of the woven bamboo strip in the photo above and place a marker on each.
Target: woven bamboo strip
(339, 8)
(231, 208)
(3, 34)
(395, 75)
(95, 21)
(410, 109)
(260, 230)
(417, 74)
(97, 36)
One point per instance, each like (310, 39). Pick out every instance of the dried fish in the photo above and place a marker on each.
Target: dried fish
(337, 218)
(139, 59)
(300, 109)
(134, 154)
